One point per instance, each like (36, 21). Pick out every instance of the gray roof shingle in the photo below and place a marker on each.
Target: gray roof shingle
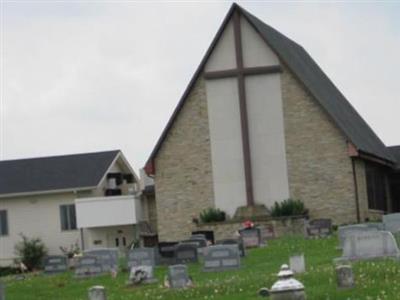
(54, 173)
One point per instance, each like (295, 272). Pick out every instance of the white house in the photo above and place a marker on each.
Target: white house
(91, 199)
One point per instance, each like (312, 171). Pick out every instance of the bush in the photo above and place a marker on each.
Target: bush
(71, 251)
(31, 252)
(212, 215)
(288, 207)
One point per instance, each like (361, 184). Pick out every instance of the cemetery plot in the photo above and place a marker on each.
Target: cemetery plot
(367, 245)
(178, 276)
(88, 266)
(319, 228)
(55, 264)
(238, 242)
(141, 257)
(251, 237)
(221, 258)
(186, 253)
(107, 257)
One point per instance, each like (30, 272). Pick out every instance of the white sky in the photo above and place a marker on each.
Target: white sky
(80, 76)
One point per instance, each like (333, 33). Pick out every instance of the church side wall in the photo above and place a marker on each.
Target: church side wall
(183, 179)
(319, 168)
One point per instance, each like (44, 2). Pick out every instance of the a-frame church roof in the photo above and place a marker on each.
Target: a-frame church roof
(311, 76)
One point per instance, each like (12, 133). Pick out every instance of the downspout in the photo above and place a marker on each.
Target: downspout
(82, 240)
(353, 165)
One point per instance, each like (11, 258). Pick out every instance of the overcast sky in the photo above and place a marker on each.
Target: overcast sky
(80, 76)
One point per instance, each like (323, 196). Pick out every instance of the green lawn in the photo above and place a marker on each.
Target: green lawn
(374, 279)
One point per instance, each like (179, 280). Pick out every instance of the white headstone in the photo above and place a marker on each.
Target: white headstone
(370, 244)
(297, 263)
(97, 292)
(392, 222)
(178, 276)
(346, 231)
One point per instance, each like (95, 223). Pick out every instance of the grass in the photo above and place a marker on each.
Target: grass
(374, 279)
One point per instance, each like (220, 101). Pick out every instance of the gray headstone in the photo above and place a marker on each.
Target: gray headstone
(370, 244)
(107, 257)
(238, 242)
(142, 274)
(251, 237)
(88, 266)
(165, 254)
(346, 231)
(198, 236)
(2, 291)
(55, 264)
(97, 292)
(141, 257)
(297, 263)
(267, 232)
(221, 258)
(392, 222)
(344, 276)
(186, 253)
(319, 228)
(198, 242)
(178, 276)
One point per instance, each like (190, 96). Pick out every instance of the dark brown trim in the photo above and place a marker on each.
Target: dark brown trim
(375, 159)
(245, 71)
(353, 166)
(243, 110)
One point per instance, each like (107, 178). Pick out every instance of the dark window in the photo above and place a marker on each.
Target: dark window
(68, 217)
(3, 223)
(376, 187)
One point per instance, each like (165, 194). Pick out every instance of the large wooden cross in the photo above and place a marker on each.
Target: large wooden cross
(240, 72)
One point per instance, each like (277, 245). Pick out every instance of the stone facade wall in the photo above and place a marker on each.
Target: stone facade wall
(281, 227)
(183, 179)
(319, 168)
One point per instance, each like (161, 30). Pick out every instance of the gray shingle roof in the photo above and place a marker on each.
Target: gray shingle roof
(311, 76)
(323, 90)
(54, 173)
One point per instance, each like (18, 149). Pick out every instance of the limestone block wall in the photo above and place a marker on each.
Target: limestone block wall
(319, 168)
(183, 179)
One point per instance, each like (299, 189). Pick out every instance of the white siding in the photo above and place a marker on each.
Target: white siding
(36, 216)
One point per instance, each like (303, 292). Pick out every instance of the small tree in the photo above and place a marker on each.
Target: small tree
(31, 252)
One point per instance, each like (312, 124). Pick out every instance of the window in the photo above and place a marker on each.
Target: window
(68, 217)
(3, 223)
(376, 187)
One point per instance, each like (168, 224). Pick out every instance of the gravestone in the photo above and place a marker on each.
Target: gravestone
(2, 291)
(376, 225)
(55, 264)
(267, 232)
(166, 253)
(198, 236)
(198, 242)
(238, 242)
(344, 276)
(209, 234)
(88, 266)
(186, 253)
(392, 222)
(107, 257)
(251, 237)
(369, 244)
(221, 258)
(297, 263)
(319, 228)
(141, 274)
(141, 257)
(97, 292)
(178, 276)
(346, 231)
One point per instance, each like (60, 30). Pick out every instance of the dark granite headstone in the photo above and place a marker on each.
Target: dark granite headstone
(141, 257)
(107, 257)
(238, 242)
(221, 258)
(251, 237)
(186, 253)
(55, 264)
(319, 228)
(88, 266)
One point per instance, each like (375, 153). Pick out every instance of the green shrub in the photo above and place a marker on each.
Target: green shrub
(212, 215)
(31, 252)
(288, 207)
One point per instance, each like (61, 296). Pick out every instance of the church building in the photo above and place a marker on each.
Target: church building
(259, 123)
